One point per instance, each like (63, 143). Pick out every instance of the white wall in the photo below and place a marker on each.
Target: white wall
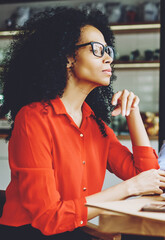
(143, 82)
(4, 166)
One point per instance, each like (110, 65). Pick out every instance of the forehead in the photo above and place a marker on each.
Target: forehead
(90, 33)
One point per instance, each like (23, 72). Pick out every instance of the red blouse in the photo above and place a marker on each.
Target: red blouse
(55, 165)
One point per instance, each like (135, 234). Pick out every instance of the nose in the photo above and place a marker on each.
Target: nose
(107, 58)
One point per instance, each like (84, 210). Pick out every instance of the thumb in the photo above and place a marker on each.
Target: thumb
(116, 112)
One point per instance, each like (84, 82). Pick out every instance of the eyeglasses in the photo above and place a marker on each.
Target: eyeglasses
(99, 49)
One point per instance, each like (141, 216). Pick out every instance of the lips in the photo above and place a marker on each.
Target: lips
(108, 71)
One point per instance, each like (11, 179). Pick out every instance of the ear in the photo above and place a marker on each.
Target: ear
(70, 62)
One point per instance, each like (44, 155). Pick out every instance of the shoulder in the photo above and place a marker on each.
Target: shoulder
(33, 116)
(33, 110)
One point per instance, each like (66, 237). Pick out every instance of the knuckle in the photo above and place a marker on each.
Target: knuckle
(152, 171)
(155, 171)
(138, 99)
(125, 91)
(158, 182)
(131, 94)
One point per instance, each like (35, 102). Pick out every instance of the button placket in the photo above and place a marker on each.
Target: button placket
(84, 188)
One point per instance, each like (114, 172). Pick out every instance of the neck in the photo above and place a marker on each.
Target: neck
(74, 95)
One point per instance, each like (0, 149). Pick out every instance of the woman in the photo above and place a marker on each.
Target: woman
(57, 87)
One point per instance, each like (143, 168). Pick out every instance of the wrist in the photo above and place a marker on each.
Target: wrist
(134, 113)
(131, 185)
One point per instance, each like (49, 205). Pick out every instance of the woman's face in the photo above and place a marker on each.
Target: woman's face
(88, 68)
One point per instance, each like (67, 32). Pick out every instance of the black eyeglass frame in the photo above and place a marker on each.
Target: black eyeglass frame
(105, 49)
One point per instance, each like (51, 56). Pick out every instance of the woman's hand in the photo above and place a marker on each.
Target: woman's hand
(125, 102)
(148, 182)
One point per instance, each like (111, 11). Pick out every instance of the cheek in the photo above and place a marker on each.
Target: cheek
(88, 68)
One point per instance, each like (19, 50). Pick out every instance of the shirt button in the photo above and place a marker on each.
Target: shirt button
(83, 162)
(81, 135)
(84, 189)
(81, 222)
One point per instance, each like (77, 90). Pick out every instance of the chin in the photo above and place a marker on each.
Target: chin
(106, 82)
(101, 82)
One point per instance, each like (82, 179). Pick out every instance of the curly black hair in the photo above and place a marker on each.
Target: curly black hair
(35, 64)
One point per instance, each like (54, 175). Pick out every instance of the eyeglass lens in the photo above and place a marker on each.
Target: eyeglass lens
(99, 49)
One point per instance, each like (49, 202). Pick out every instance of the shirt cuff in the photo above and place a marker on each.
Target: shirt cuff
(144, 151)
(81, 212)
(145, 158)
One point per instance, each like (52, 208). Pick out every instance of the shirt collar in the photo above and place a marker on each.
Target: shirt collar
(59, 107)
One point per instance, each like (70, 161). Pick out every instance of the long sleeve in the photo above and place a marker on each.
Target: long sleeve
(125, 164)
(33, 169)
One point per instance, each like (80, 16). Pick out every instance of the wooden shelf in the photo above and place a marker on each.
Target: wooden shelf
(3, 136)
(134, 28)
(8, 34)
(127, 137)
(136, 65)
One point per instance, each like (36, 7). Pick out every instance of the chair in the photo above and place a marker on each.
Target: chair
(2, 200)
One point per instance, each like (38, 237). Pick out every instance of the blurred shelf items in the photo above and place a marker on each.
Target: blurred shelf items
(151, 123)
(117, 11)
(150, 120)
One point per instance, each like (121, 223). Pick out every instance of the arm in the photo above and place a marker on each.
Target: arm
(137, 130)
(35, 178)
(148, 182)
(144, 157)
(127, 105)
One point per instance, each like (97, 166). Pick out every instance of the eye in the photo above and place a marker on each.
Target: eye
(98, 49)
(110, 52)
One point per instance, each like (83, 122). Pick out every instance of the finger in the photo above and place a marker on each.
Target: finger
(155, 191)
(162, 179)
(136, 101)
(158, 188)
(124, 100)
(159, 191)
(162, 185)
(115, 98)
(161, 172)
(116, 112)
(130, 101)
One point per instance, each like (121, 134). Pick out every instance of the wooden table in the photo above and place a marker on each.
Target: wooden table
(125, 217)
